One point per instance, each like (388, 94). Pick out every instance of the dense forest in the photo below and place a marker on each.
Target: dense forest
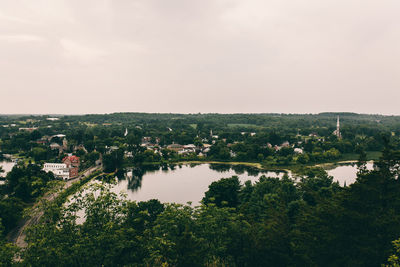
(308, 221)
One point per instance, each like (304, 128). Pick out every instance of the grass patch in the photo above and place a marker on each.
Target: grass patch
(371, 155)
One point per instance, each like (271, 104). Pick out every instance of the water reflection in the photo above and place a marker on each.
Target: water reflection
(243, 169)
(134, 183)
(346, 174)
(240, 169)
(180, 183)
(254, 172)
(135, 175)
(6, 166)
(184, 183)
(220, 167)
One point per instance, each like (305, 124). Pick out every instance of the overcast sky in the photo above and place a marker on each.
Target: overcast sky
(189, 56)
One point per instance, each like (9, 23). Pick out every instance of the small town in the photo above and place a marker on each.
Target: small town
(183, 133)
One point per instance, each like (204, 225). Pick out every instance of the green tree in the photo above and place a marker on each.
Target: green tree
(10, 212)
(394, 259)
(224, 192)
(8, 253)
(219, 151)
(27, 183)
(174, 240)
(39, 153)
(113, 160)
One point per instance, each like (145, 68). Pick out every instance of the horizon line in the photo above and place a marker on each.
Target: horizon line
(193, 113)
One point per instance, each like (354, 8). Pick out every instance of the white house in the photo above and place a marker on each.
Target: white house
(59, 135)
(298, 150)
(54, 166)
(52, 119)
(62, 173)
(59, 169)
(189, 148)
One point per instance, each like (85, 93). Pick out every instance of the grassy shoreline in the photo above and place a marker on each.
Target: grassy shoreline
(344, 159)
(63, 196)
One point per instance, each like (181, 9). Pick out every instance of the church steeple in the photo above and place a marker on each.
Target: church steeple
(337, 131)
(338, 124)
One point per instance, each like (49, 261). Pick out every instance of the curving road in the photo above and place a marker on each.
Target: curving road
(18, 236)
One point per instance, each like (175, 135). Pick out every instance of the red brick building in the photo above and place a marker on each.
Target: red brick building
(73, 163)
(73, 172)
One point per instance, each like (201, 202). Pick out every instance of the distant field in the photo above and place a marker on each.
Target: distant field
(243, 125)
(90, 124)
(194, 126)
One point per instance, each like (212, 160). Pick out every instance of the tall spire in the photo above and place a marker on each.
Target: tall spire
(338, 124)
(337, 131)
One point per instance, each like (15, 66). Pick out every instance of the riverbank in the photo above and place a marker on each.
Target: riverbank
(349, 159)
(345, 158)
(250, 164)
(332, 165)
(256, 165)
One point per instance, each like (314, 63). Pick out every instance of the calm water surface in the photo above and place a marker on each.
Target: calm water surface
(346, 173)
(7, 166)
(178, 184)
(183, 183)
(186, 183)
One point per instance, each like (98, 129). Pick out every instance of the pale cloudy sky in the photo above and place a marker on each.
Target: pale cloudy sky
(228, 56)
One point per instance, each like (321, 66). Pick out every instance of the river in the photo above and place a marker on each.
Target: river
(346, 173)
(7, 166)
(185, 183)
